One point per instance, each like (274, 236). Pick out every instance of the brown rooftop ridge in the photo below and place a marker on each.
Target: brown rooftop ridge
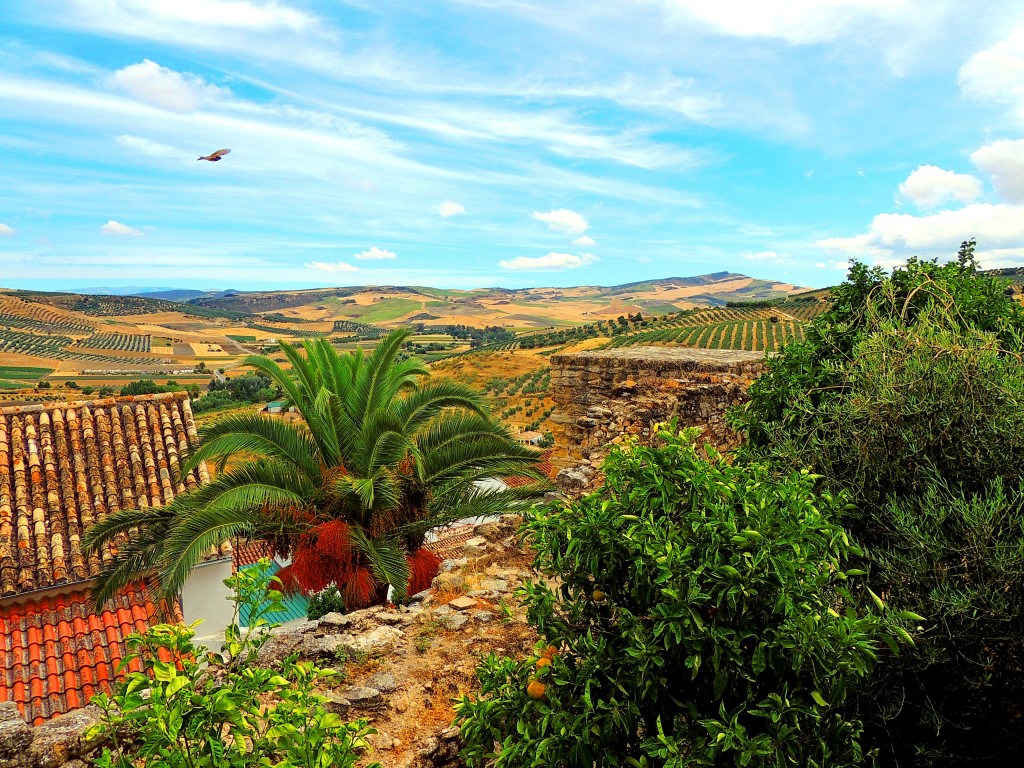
(66, 466)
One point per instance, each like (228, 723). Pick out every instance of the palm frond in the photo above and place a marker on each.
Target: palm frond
(447, 508)
(261, 435)
(198, 533)
(386, 558)
(123, 522)
(430, 399)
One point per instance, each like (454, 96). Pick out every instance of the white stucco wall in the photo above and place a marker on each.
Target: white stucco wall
(205, 597)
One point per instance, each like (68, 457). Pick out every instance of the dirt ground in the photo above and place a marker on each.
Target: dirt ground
(435, 667)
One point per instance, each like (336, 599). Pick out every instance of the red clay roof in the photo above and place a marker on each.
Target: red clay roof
(248, 551)
(65, 466)
(544, 465)
(57, 651)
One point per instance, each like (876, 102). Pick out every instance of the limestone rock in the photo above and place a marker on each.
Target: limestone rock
(494, 585)
(454, 621)
(278, 647)
(15, 734)
(362, 697)
(462, 603)
(475, 546)
(62, 739)
(383, 681)
(335, 703)
(574, 479)
(379, 642)
(453, 581)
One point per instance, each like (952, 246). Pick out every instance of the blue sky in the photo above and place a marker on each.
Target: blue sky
(479, 143)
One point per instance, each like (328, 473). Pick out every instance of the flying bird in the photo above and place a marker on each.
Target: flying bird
(213, 157)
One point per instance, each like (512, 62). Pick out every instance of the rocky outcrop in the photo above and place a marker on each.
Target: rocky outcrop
(602, 396)
(58, 742)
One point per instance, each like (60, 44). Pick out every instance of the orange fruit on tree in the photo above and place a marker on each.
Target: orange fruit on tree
(536, 689)
(543, 661)
(550, 652)
(598, 596)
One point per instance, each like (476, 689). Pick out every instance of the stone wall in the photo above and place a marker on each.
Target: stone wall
(603, 395)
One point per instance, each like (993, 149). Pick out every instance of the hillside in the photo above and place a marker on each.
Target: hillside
(94, 340)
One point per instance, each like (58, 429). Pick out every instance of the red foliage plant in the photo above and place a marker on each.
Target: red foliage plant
(423, 567)
(323, 555)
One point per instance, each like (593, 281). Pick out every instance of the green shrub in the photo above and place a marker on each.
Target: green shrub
(327, 600)
(702, 619)
(188, 708)
(909, 395)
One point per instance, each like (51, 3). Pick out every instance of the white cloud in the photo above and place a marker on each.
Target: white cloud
(374, 253)
(146, 146)
(1004, 161)
(795, 21)
(336, 266)
(246, 14)
(765, 256)
(929, 187)
(117, 229)
(586, 241)
(550, 261)
(6, 231)
(161, 87)
(448, 209)
(564, 221)
(996, 73)
(893, 237)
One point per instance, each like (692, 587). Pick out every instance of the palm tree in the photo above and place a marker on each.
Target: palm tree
(384, 455)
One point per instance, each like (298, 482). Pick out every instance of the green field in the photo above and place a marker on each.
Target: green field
(20, 373)
(241, 339)
(382, 311)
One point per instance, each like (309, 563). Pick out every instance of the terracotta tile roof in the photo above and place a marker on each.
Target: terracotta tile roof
(544, 465)
(65, 466)
(57, 651)
(246, 552)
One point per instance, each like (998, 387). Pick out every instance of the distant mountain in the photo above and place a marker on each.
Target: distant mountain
(171, 294)
(183, 294)
(124, 290)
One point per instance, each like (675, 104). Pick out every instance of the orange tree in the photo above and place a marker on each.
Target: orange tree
(701, 618)
(384, 455)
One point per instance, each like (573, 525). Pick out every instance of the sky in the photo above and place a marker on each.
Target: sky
(471, 143)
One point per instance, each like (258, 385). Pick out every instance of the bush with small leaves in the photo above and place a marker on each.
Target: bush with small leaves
(701, 618)
(324, 601)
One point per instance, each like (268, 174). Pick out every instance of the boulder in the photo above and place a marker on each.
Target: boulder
(335, 703)
(379, 642)
(362, 697)
(62, 739)
(452, 581)
(494, 585)
(278, 647)
(15, 735)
